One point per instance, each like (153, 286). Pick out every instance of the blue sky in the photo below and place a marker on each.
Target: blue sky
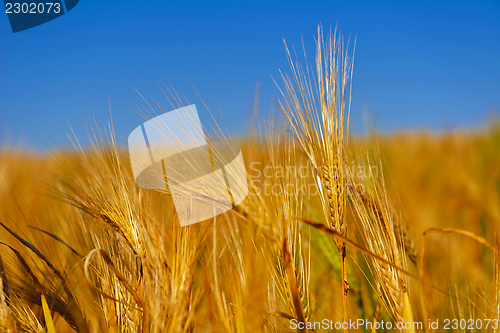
(418, 64)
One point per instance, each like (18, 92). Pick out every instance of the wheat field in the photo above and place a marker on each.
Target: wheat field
(337, 227)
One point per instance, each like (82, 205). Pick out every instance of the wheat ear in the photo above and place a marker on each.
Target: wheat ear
(318, 113)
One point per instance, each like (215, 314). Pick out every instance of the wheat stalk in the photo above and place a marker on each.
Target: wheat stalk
(318, 113)
(380, 231)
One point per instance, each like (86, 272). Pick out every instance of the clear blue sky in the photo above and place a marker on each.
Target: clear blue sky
(418, 64)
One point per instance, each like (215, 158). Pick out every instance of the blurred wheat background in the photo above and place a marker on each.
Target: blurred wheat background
(400, 228)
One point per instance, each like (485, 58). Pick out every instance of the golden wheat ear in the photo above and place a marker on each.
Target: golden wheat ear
(318, 115)
(380, 230)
